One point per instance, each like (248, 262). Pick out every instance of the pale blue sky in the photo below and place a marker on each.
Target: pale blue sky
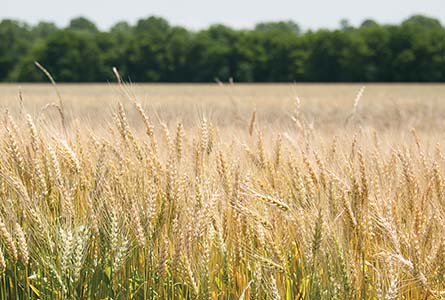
(197, 14)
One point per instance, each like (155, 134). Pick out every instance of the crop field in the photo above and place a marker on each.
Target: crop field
(222, 191)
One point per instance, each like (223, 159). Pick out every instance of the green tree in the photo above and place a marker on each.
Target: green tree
(69, 56)
(43, 30)
(82, 24)
(152, 50)
(326, 55)
(422, 59)
(212, 54)
(15, 40)
(279, 27)
(145, 54)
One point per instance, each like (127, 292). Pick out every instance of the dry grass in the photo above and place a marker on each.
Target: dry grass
(244, 193)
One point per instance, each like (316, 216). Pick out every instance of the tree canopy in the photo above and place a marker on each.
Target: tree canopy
(156, 51)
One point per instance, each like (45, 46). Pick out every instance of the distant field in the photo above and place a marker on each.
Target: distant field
(222, 192)
(382, 105)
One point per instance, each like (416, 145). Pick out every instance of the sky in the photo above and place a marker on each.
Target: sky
(198, 14)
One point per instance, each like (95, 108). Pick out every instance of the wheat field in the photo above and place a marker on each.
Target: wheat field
(222, 191)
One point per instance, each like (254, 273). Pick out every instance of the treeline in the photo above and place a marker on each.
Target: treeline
(155, 51)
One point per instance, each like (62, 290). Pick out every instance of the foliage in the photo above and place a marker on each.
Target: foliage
(154, 50)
